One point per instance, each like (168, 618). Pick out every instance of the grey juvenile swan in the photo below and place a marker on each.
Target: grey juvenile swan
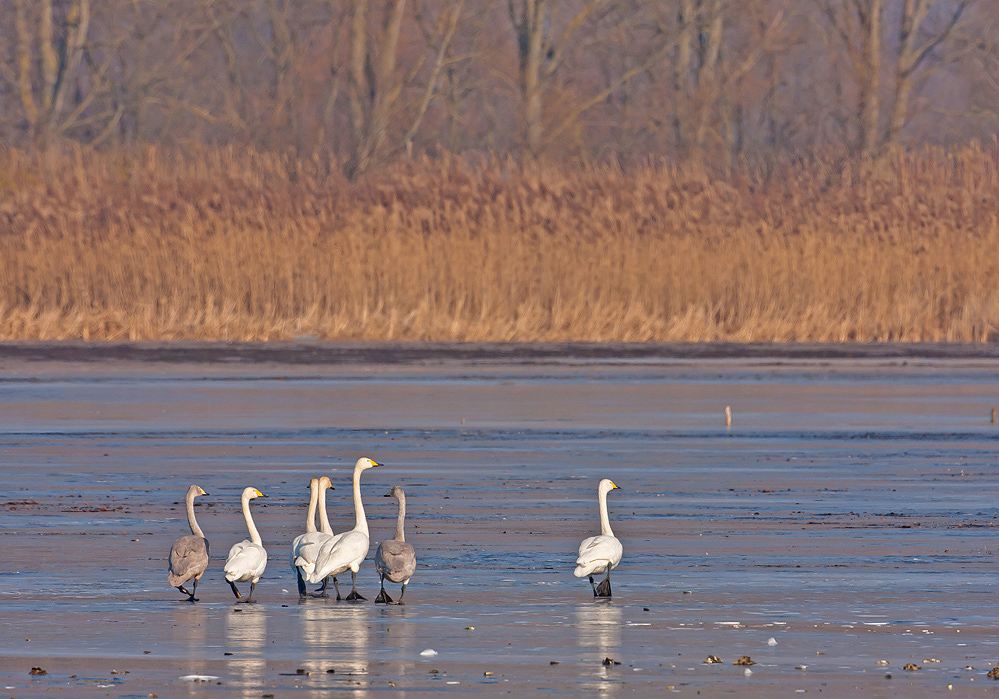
(189, 554)
(395, 559)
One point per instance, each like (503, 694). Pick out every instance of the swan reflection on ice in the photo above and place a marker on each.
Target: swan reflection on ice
(246, 639)
(189, 630)
(598, 629)
(335, 636)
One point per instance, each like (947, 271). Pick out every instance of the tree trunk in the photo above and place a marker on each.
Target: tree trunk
(44, 105)
(529, 26)
(869, 76)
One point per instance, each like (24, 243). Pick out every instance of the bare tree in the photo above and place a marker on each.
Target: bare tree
(375, 83)
(540, 54)
(917, 40)
(50, 46)
(860, 25)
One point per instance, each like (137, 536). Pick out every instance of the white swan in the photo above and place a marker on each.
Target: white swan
(395, 559)
(346, 551)
(247, 559)
(189, 554)
(306, 546)
(600, 554)
(310, 528)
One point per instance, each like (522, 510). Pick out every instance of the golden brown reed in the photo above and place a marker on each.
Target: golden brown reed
(234, 245)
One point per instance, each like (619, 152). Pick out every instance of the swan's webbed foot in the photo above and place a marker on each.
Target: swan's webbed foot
(354, 595)
(235, 590)
(321, 592)
(249, 598)
(604, 588)
(383, 597)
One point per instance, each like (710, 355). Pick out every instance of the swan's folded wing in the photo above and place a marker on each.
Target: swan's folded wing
(338, 553)
(596, 553)
(188, 558)
(396, 560)
(245, 558)
(306, 548)
(256, 559)
(588, 544)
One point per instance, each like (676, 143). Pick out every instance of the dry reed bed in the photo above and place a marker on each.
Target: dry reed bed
(220, 244)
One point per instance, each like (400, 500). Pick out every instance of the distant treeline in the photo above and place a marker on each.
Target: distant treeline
(359, 83)
(229, 243)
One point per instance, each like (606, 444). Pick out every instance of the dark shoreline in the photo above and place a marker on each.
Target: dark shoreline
(403, 353)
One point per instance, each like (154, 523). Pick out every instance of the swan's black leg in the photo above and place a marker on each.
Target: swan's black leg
(593, 586)
(604, 588)
(234, 590)
(337, 588)
(184, 590)
(302, 590)
(249, 597)
(383, 597)
(354, 595)
(402, 594)
(194, 590)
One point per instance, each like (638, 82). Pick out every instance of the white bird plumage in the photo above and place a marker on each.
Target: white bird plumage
(600, 554)
(348, 550)
(305, 547)
(189, 554)
(395, 559)
(248, 558)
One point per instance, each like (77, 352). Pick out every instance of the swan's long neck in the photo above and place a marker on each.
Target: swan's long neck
(324, 519)
(360, 522)
(195, 529)
(310, 519)
(250, 526)
(605, 527)
(400, 535)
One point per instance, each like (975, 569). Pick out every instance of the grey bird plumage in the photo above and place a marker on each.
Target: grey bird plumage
(395, 560)
(189, 554)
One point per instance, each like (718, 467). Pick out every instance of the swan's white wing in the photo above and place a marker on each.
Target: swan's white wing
(598, 554)
(340, 553)
(396, 560)
(304, 550)
(309, 567)
(246, 561)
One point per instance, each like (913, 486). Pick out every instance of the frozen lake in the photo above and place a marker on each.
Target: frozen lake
(849, 514)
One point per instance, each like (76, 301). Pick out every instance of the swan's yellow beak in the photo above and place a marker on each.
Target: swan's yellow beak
(201, 491)
(615, 486)
(259, 494)
(375, 463)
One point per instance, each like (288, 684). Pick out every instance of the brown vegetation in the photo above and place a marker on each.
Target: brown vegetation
(224, 244)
